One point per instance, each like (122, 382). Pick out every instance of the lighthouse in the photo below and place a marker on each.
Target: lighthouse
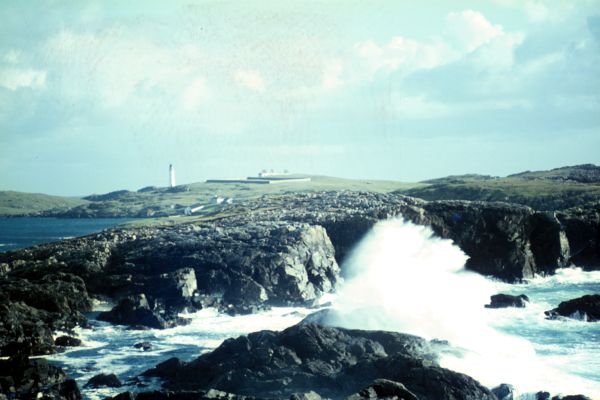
(171, 175)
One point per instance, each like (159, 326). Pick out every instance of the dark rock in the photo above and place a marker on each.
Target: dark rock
(181, 395)
(166, 369)
(571, 397)
(30, 310)
(582, 229)
(101, 380)
(334, 362)
(504, 392)
(67, 341)
(306, 396)
(117, 194)
(506, 300)
(585, 308)
(384, 389)
(542, 396)
(146, 346)
(29, 379)
(495, 236)
(135, 311)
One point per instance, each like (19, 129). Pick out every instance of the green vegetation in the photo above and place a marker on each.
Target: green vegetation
(20, 204)
(166, 202)
(543, 190)
(556, 189)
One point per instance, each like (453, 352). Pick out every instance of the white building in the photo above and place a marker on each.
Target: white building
(172, 176)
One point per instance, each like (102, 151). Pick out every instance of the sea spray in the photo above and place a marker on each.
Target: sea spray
(401, 277)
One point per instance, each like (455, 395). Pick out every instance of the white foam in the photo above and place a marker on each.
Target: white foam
(402, 278)
(571, 275)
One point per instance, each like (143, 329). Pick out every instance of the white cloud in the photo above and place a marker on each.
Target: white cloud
(403, 53)
(499, 52)
(17, 78)
(468, 35)
(470, 30)
(250, 79)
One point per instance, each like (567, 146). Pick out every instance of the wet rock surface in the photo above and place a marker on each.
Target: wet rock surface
(135, 311)
(384, 389)
(281, 250)
(104, 380)
(22, 378)
(585, 308)
(210, 394)
(67, 341)
(333, 362)
(502, 300)
(31, 309)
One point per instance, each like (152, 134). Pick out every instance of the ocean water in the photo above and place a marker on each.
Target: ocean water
(16, 233)
(404, 279)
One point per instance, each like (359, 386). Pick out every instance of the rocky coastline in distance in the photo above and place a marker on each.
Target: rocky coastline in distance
(276, 249)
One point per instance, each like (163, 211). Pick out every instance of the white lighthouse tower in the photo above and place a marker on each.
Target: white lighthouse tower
(172, 176)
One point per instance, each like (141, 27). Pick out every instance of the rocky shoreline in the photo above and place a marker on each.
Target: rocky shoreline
(286, 253)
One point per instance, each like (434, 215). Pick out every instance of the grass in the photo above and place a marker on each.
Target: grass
(18, 203)
(165, 203)
(541, 194)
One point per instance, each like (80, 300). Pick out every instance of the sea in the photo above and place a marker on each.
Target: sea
(400, 277)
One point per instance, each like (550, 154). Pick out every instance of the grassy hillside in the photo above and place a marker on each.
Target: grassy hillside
(19, 203)
(556, 189)
(164, 202)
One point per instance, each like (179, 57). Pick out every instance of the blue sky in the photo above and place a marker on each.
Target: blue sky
(101, 95)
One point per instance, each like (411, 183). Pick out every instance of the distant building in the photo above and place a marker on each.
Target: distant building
(172, 176)
(266, 177)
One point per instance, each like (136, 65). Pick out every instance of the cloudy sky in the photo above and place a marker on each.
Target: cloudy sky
(102, 95)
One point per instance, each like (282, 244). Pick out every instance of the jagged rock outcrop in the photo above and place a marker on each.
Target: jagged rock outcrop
(582, 230)
(30, 310)
(502, 300)
(384, 389)
(22, 378)
(135, 311)
(586, 308)
(234, 266)
(210, 394)
(333, 362)
(283, 250)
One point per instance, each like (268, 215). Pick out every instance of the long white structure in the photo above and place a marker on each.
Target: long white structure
(172, 176)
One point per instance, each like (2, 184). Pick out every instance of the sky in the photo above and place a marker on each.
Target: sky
(98, 96)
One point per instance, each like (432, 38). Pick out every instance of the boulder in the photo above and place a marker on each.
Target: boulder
(31, 309)
(135, 311)
(67, 341)
(29, 379)
(145, 346)
(585, 308)
(504, 391)
(571, 397)
(506, 300)
(384, 389)
(181, 395)
(104, 380)
(334, 362)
